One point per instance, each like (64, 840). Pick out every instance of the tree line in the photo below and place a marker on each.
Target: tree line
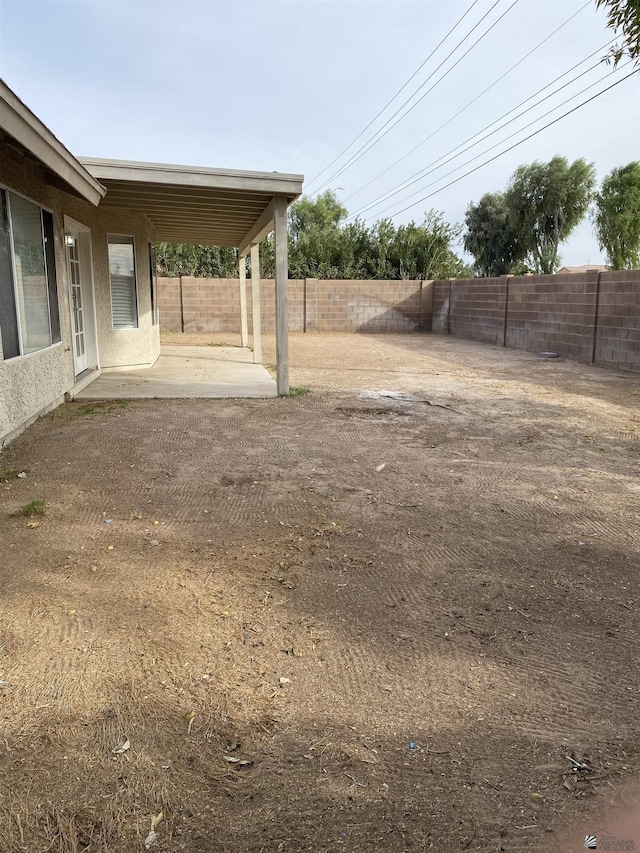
(515, 231)
(518, 230)
(521, 229)
(323, 244)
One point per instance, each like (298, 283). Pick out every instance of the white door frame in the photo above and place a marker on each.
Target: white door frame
(82, 233)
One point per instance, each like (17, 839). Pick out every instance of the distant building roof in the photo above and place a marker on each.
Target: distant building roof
(585, 268)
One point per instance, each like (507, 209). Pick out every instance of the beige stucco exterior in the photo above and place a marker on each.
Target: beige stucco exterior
(90, 200)
(33, 384)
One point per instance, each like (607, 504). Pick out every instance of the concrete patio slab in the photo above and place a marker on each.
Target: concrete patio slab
(194, 372)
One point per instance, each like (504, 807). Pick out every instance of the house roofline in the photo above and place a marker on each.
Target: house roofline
(22, 125)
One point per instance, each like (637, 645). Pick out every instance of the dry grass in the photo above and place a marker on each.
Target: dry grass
(93, 680)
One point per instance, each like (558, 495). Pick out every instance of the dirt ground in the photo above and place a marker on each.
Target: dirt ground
(344, 620)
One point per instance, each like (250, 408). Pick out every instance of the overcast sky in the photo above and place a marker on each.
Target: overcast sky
(285, 85)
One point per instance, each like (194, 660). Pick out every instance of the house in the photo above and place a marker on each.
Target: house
(77, 285)
(584, 268)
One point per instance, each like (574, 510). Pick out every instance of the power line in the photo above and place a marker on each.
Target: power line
(486, 151)
(515, 145)
(382, 132)
(450, 155)
(401, 89)
(466, 107)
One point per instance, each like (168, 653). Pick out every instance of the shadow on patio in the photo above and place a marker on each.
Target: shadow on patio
(196, 372)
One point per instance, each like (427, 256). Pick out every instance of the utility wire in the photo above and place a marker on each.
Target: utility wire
(384, 130)
(515, 145)
(492, 147)
(466, 107)
(450, 155)
(392, 99)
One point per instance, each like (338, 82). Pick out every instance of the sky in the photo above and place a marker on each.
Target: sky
(287, 85)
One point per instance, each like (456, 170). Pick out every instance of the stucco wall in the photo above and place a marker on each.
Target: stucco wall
(32, 384)
(122, 347)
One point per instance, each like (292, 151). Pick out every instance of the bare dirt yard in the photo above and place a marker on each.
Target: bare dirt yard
(338, 621)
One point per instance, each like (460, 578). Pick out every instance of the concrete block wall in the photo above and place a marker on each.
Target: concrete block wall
(213, 305)
(588, 317)
(553, 313)
(617, 338)
(441, 291)
(363, 306)
(478, 309)
(206, 309)
(268, 306)
(169, 303)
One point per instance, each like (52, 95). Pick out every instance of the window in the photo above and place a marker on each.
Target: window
(29, 318)
(155, 318)
(122, 275)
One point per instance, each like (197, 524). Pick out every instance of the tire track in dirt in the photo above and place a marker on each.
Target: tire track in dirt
(570, 702)
(459, 639)
(56, 670)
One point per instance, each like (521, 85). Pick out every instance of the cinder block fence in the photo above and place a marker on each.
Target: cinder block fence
(592, 317)
(213, 305)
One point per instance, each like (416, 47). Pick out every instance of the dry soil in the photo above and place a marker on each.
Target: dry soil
(398, 613)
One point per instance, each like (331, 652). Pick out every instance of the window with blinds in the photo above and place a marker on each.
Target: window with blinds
(122, 276)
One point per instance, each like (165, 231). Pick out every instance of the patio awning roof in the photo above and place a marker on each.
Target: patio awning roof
(188, 204)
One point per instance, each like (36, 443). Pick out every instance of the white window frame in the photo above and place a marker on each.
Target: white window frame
(73, 224)
(21, 354)
(111, 234)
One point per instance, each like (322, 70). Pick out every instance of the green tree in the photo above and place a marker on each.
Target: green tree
(308, 214)
(267, 257)
(491, 238)
(382, 234)
(425, 251)
(355, 252)
(175, 259)
(323, 245)
(314, 236)
(617, 217)
(546, 201)
(623, 16)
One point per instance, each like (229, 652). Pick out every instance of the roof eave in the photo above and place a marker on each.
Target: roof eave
(18, 122)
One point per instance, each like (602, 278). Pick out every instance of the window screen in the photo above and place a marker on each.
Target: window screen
(30, 273)
(8, 317)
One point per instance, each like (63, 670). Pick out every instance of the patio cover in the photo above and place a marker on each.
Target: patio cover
(216, 207)
(188, 204)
